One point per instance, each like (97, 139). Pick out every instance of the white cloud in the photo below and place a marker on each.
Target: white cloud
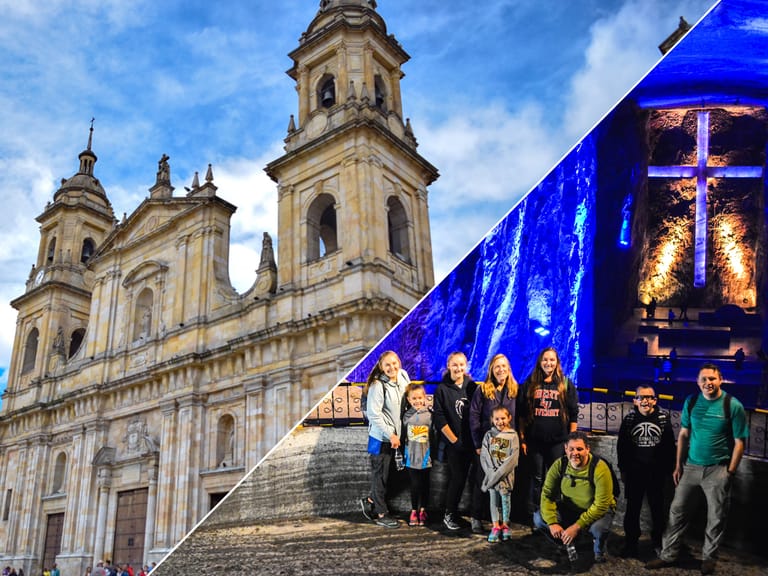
(489, 154)
(244, 183)
(623, 47)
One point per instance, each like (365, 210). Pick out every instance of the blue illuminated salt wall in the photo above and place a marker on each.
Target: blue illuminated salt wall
(527, 285)
(622, 170)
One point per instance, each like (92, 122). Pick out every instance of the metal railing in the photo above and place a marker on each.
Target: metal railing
(600, 411)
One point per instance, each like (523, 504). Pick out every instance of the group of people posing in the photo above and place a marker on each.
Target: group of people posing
(479, 430)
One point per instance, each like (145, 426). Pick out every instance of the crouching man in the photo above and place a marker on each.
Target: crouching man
(579, 497)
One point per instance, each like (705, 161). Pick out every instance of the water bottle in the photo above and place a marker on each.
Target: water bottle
(399, 464)
(572, 554)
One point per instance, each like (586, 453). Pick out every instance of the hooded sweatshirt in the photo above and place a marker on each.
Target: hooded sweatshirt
(451, 407)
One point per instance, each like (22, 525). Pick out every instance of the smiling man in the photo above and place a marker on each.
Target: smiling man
(712, 436)
(576, 498)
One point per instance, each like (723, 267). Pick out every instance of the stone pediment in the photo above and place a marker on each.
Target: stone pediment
(150, 218)
(145, 270)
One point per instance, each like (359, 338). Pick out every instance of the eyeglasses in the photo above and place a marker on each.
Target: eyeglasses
(647, 397)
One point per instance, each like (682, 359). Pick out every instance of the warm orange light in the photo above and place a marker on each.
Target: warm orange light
(732, 250)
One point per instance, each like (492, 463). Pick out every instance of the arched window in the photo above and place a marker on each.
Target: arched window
(142, 319)
(30, 351)
(326, 92)
(225, 441)
(380, 90)
(75, 341)
(88, 249)
(59, 473)
(51, 251)
(321, 227)
(397, 224)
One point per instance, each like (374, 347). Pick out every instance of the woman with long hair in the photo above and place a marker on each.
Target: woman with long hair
(499, 389)
(548, 411)
(384, 391)
(451, 420)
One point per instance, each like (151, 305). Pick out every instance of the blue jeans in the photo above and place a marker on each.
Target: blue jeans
(716, 485)
(598, 529)
(380, 464)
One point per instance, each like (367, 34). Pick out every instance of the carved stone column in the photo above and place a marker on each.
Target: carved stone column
(104, 483)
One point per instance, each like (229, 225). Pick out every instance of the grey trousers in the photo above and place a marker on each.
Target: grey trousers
(715, 482)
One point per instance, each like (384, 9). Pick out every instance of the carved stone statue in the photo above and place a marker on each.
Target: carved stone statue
(164, 170)
(58, 341)
(267, 252)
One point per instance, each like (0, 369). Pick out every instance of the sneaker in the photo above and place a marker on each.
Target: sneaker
(494, 535)
(629, 551)
(708, 566)
(414, 520)
(387, 521)
(422, 518)
(657, 563)
(506, 533)
(477, 526)
(367, 507)
(600, 558)
(450, 523)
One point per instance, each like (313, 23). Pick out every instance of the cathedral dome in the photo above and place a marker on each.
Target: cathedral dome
(352, 11)
(84, 186)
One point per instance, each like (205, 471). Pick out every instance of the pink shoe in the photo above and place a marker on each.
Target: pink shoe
(422, 518)
(505, 532)
(494, 535)
(414, 520)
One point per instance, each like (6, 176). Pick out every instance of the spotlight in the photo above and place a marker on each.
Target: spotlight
(541, 331)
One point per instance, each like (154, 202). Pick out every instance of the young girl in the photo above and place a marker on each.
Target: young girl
(451, 414)
(416, 423)
(499, 389)
(385, 389)
(498, 457)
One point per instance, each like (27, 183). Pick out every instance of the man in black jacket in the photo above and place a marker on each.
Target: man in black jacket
(646, 451)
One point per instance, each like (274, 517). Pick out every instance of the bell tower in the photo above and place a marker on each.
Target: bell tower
(53, 311)
(352, 188)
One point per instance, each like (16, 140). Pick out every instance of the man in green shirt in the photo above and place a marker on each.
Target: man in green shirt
(572, 502)
(713, 431)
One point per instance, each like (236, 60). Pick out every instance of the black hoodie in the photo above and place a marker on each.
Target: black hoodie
(451, 407)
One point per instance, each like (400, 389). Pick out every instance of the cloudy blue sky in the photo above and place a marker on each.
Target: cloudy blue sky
(497, 91)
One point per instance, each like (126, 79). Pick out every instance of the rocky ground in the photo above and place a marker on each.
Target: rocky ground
(351, 545)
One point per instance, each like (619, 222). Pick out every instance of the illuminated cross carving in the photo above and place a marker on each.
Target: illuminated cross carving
(701, 172)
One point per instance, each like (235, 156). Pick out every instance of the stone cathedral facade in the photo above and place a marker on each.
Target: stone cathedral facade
(142, 386)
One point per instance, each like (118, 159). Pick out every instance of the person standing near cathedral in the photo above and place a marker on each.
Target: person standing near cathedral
(384, 390)
(713, 433)
(451, 420)
(646, 458)
(548, 411)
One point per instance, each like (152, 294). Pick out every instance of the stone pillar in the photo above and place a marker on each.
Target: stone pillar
(187, 481)
(368, 72)
(179, 311)
(397, 102)
(422, 235)
(149, 536)
(104, 483)
(342, 78)
(303, 88)
(167, 474)
(254, 422)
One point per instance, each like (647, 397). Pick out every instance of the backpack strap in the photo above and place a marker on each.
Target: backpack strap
(726, 405)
